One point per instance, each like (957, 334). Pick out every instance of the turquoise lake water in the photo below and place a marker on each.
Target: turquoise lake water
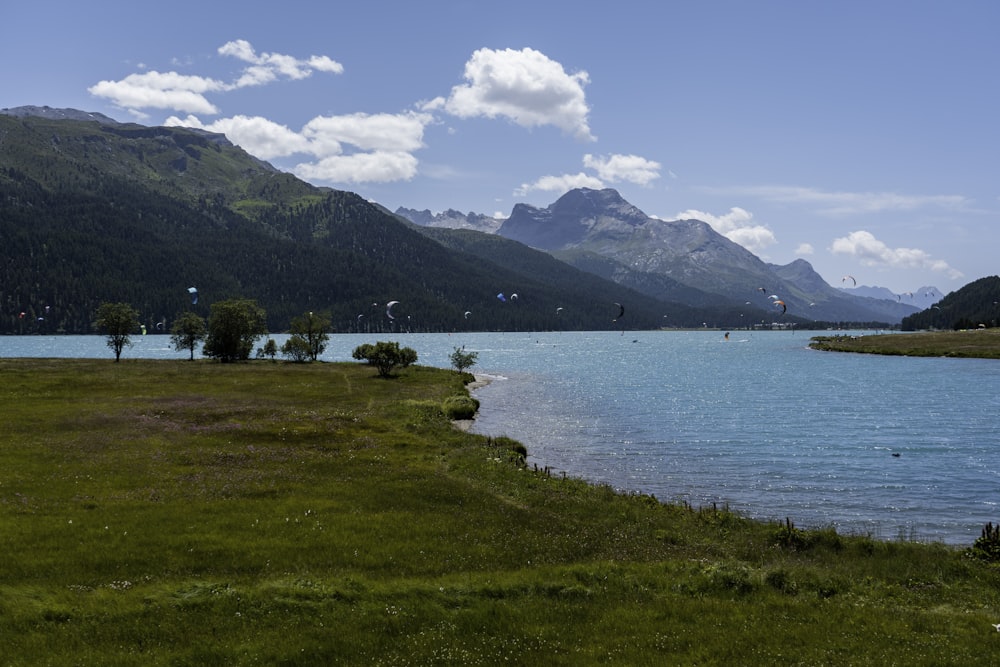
(893, 447)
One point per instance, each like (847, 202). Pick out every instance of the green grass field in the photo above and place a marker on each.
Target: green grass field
(196, 513)
(979, 343)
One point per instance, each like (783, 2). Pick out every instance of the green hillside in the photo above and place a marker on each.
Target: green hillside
(977, 305)
(93, 212)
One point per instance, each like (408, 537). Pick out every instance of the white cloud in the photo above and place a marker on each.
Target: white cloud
(805, 249)
(400, 133)
(617, 168)
(737, 226)
(187, 93)
(160, 90)
(872, 252)
(384, 143)
(256, 135)
(267, 67)
(377, 167)
(559, 184)
(524, 86)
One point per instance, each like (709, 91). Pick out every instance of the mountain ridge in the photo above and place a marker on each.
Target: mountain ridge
(585, 223)
(93, 212)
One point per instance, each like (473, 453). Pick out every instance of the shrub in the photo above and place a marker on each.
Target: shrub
(987, 546)
(385, 356)
(460, 407)
(462, 360)
(297, 349)
(233, 327)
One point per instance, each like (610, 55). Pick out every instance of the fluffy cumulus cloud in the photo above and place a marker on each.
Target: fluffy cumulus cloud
(619, 168)
(804, 249)
(256, 135)
(354, 148)
(400, 133)
(267, 67)
(560, 184)
(187, 93)
(523, 86)
(737, 225)
(526, 87)
(873, 252)
(375, 167)
(160, 90)
(613, 169)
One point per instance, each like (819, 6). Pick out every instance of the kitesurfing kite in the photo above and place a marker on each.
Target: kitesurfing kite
(467, 313)
(781, 303)
(621, 311)
(193, 291)
(388, 309)
(851, 278)
(502, 297)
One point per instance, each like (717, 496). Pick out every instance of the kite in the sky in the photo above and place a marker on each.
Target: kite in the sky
(388, 309)
(621, 311)
(193, 291)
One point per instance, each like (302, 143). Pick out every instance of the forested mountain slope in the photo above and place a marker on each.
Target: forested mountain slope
(94, 211)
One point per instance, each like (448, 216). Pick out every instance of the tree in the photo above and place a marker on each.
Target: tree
(233, 328)
(269, 350)
(187, 331)
(118, 320)
(309, 337)
(462, 360)
(385, 356)
(297, 349)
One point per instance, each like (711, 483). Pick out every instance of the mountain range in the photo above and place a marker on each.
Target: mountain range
(93, 210)
(686, 260)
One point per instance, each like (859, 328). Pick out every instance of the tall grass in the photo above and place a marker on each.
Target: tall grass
(193, 513)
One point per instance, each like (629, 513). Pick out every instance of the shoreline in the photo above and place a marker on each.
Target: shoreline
(480, 382)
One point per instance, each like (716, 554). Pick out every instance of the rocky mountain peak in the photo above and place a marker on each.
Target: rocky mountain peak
(58, 114)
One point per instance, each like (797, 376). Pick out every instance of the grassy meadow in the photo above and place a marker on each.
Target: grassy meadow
(197, 513)
(980, 343)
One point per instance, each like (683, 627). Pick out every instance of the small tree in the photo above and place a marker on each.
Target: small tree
(462, 360)
(309, 336)
(385, 356)
(297, 349)
(118, 320)
(187, 331)
(270, 349)
(233, 328)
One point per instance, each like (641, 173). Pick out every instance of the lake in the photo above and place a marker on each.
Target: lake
(892, 447)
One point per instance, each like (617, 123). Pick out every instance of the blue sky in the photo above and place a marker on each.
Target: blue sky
(860, 136)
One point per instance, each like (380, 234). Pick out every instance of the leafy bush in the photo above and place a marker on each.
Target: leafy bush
(460, 407)
(297, 349)
(517, 451)
(462, 360)
(385, 356)
(987, 546)
(787, 535)
(233, 327)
